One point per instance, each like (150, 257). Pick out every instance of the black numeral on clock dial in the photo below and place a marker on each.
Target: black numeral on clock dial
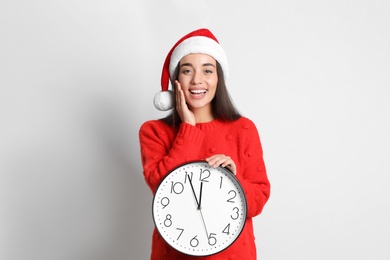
(234, 194)
(236, 215)
(168, 220)
(181, 232)
(177, 187)
(226, 230)
(194, 242)
(164, 202)
(188, 176)
(212, 239)
(204, 175)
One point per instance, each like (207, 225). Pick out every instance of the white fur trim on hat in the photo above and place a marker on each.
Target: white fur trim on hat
(202, 45)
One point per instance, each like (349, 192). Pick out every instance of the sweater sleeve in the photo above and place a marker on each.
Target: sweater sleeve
(161, 152)
(253, 175)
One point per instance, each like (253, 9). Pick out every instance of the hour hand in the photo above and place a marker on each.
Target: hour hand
(200, 196)
(193, 191)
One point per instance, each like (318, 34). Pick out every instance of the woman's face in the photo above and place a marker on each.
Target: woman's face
(198, 79)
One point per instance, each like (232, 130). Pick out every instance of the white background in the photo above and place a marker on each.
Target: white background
(77, 79)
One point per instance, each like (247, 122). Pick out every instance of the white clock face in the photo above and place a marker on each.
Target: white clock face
(199, 210)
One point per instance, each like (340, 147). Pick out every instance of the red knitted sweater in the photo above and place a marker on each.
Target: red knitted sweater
(164, 147)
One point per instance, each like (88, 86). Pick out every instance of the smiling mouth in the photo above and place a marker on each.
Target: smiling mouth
(198, 91)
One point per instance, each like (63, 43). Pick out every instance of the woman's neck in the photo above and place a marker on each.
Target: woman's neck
(203, 115)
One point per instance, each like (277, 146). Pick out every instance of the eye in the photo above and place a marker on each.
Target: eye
(208, 69)
(186, 71)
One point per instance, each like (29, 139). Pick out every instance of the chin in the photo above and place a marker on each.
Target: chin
(198, 106)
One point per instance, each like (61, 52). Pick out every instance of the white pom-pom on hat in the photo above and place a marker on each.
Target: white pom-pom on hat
(199, 41)
(164, 100)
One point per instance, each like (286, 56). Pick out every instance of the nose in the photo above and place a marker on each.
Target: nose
(196, 78)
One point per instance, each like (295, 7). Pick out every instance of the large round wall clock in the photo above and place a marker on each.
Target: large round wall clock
(199, 210)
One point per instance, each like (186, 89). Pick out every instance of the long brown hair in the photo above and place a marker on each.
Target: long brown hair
(222, 104)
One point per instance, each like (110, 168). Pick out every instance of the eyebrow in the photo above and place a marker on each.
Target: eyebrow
(203, 65)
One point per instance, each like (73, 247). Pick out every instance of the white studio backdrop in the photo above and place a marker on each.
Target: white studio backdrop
(77, 79)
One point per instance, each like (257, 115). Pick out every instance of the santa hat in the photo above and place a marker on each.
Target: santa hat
(199, 41)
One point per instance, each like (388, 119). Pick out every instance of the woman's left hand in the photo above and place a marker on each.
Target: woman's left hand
(222, 160)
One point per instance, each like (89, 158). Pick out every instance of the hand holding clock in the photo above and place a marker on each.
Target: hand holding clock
(224, 161)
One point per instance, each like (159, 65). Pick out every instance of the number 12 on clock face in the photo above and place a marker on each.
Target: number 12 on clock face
(199, 210)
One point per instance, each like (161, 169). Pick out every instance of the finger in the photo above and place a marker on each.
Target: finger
(218, 160)
(212, 159)
(223, 161)
(178, 89)
(180, 94)
(226, 163)
(232, 168)
(230, 165)
(178, 86)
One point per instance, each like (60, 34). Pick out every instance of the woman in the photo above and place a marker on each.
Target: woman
(203, 126)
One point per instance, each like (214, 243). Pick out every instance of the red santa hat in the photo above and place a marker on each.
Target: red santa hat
(199, 41)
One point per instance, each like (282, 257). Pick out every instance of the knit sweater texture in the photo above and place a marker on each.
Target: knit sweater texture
(164, 147)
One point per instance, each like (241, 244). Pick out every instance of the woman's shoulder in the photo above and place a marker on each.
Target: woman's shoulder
(152, 122)
(153, 125)
(244, 122)
(243, 127)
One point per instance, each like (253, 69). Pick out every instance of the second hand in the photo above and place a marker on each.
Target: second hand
(204, 223)
(200, 209)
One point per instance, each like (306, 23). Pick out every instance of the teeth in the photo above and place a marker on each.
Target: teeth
(197, 91)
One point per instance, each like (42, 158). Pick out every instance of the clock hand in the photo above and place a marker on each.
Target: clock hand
(199, 203)
(204, 223)
(200, 196)
(193, 191)
(200, 209)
